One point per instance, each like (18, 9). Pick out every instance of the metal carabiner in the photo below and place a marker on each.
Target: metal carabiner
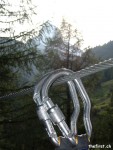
(42, 112)
(87, 106)
(53, 110)
(50, 113)
(37, 99)
(86, 103)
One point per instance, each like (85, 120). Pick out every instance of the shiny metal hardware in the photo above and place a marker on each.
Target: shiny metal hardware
(87, 106)
(51, 114)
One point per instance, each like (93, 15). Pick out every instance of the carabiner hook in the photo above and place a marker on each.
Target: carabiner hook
(87, 105)
(37, 99)
(51, 114)
(42, 112)
(55, 113)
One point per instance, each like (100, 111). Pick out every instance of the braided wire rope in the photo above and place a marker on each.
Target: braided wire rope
(82, 73)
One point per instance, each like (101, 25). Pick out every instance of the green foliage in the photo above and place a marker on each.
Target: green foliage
(102, 115)
(20, 128)
(105, 51)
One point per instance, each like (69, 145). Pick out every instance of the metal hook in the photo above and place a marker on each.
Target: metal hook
(53, 110)
(87, 106)
(37, 99)
(42, 112)
(50, 113)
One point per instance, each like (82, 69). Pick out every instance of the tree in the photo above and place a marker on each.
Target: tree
(62, 52)
(71, 41)
(17, 55)
(65, 44)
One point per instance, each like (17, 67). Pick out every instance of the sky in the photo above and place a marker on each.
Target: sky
(93, 18)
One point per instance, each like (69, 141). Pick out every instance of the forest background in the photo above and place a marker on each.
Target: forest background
(26, 56)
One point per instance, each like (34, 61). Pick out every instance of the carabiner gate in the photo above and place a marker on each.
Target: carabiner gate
(51, 114)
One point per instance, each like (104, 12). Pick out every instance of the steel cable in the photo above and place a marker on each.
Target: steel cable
(82, 73)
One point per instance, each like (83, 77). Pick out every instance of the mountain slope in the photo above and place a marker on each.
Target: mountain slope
(105, 51)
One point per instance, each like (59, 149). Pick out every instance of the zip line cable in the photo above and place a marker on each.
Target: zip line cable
(82, 73)
(75, 75)
(17, 94)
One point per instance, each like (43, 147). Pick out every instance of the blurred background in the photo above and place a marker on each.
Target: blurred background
(40, 36)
